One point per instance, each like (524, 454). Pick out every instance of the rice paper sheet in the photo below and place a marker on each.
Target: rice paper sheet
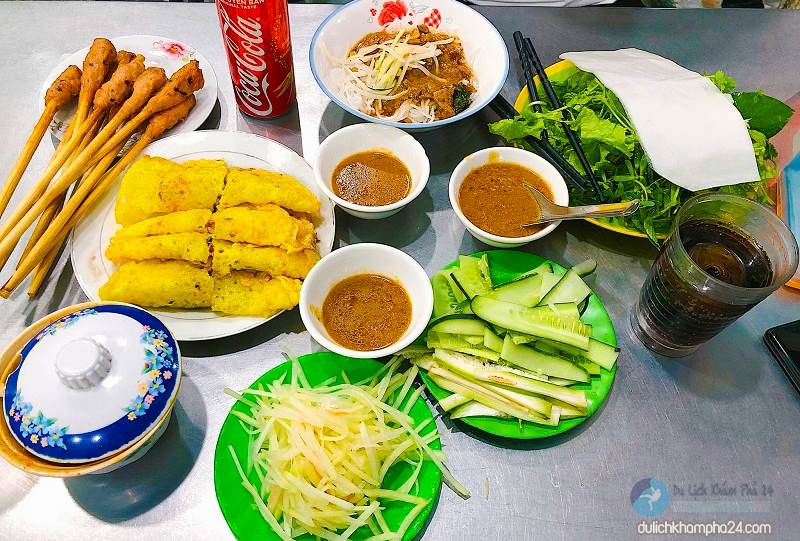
(692, 133)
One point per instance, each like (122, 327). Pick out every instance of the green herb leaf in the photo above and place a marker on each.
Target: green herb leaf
(763, 113)
(724, 83)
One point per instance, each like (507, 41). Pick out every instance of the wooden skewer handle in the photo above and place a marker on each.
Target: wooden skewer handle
(25, 156)
(78, 205)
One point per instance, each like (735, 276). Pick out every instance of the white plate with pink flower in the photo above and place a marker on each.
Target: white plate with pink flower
(484, 48)
(158, 51)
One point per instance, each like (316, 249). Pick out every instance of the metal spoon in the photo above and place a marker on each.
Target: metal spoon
(550, 212)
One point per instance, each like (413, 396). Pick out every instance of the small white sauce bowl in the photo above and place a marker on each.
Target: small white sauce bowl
(364, 137)
(509, 155)
(366, 258)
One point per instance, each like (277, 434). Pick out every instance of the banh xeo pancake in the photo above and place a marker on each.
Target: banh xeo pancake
(232, 256)
(247, 294)
(192, 247)
(173, 284)
(264, 239)
(154, 186)
(269, 225)
(186, 221)
(259, 187)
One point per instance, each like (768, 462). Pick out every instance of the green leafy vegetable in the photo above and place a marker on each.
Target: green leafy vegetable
(461, 98)
(615, 152)
(763, 113)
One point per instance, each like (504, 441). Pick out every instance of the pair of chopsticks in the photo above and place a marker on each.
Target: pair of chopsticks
(543, 148)
(530, 61)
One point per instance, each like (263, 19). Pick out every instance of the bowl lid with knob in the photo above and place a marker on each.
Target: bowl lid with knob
(92, 383)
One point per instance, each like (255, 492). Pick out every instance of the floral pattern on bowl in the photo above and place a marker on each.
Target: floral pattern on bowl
(394, 12)
(65, 321)
(39, 429)
(158, 366)
(175, 49)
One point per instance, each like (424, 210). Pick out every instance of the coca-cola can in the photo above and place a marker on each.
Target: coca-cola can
(259, 46)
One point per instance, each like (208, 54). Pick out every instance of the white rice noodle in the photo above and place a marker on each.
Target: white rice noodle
(371, 74)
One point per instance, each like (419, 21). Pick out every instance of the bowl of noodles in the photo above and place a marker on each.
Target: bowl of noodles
(414, 66)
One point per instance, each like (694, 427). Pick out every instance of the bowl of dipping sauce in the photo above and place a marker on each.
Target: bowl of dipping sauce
(488, 194)
(366, 300)
(371, 171)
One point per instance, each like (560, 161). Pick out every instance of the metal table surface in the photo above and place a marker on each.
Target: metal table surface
(725, 416)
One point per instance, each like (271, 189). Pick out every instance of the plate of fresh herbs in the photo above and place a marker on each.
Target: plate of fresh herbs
(615, 152)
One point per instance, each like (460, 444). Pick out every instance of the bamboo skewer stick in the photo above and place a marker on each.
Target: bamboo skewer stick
(113, 92)
(94, 72)
(64, 88)
(92, 189)
(54, 207)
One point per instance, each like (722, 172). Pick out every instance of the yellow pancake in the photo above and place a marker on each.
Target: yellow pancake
(192, 247)
(186, 221)
(260, 187)
(269, 225)
(172, 284)
(155, 186)
(248, 294)
(274, 261)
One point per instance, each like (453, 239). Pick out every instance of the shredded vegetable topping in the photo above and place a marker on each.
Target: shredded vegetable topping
(321, 454)
(373, 74)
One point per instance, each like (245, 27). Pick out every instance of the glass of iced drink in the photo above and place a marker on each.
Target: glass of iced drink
(725, 255)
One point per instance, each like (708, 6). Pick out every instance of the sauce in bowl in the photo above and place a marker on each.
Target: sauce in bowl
(371, 178)
(366, 312)
(493, 198)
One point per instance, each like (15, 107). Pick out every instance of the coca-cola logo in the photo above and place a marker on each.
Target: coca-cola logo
(244, 38)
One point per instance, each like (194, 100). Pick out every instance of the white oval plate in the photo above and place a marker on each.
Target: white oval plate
(93, 233)
(158, 51)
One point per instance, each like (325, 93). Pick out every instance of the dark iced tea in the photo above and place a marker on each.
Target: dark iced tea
(710, 272)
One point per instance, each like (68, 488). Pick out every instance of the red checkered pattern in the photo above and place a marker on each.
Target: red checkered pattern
(433, 19)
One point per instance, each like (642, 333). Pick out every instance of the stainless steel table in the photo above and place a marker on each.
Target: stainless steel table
(726, 416)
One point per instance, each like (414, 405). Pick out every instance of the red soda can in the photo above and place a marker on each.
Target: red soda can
(259, 46)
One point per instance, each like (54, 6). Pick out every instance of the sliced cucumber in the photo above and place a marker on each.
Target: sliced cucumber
(454, 383)
(520, 338)
(444, 300)
(455, 400)
(569, 350)
(569, 309)
(413, 351)
(601, 353)
(491, 340)
(461, 324)
(474, 340)
(525, 291)
(455, 287)
(585, 268)
(457, 343)
(597, 352)
(541, 363)
(568, 411)
(549, 281)
(591, 368)
(476, 409)
(532, 321)
(561, 382)
(488, 375)
(569, 289)
(498, 330)
(470, 275)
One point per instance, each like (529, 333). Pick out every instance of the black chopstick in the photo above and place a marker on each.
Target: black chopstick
(554, 101)
(543, 148)
(524, 61)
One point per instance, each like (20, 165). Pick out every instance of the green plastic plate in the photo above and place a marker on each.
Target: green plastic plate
(507, 265)
(235, 502)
